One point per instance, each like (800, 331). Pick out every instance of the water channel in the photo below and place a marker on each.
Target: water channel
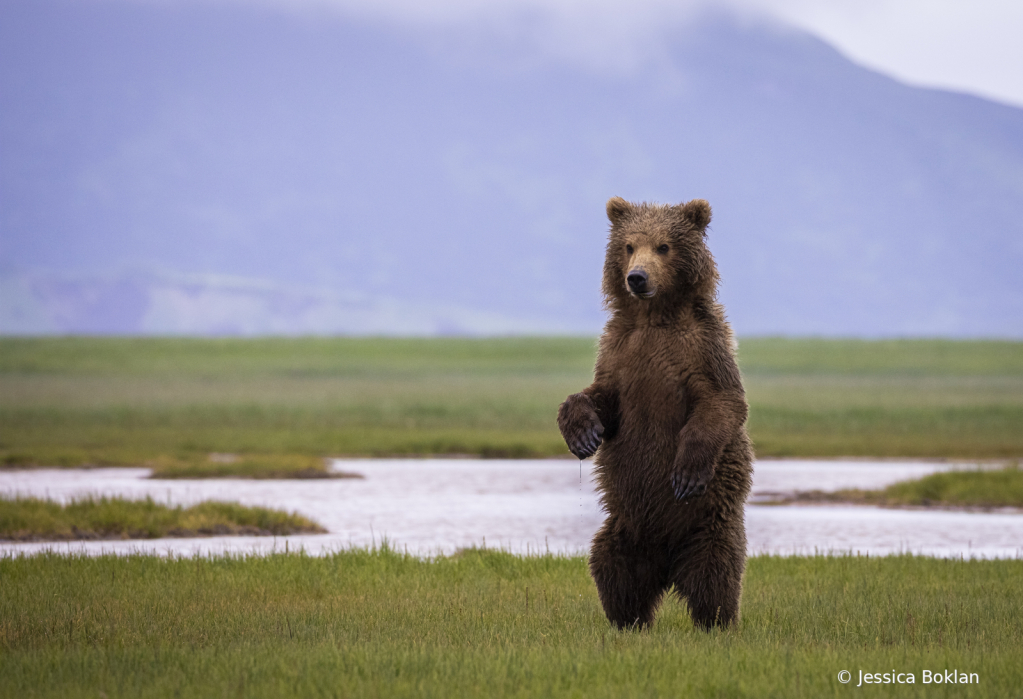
(430, 506)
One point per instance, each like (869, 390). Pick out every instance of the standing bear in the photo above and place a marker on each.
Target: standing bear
(666, 417)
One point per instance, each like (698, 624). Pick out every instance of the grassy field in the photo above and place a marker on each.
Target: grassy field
(487, 624)
(34, 519)
(71, 401)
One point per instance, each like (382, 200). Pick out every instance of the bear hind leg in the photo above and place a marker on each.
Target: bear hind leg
(629, 582)
(709, 577)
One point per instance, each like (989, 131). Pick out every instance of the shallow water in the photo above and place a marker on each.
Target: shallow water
(440, 505)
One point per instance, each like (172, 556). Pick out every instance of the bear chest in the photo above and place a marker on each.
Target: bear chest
(651, 384)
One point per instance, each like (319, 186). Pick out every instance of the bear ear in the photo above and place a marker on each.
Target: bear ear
(617, 209)
(696, 213)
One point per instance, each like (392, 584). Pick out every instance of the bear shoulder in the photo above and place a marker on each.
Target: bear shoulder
(716, 348)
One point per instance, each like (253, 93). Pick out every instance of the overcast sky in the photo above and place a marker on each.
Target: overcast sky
(966, 46)
(970, 46)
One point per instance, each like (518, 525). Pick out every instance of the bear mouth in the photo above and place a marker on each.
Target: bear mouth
(644, 295)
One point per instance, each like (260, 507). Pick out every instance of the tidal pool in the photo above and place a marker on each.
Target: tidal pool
(428, 506)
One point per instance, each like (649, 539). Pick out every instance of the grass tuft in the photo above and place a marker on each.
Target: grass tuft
(1003, 488)
(972, 489)
(256, 466)
(982, 489)
(34, 519)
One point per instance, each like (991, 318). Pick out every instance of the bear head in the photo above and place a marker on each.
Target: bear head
(658, 252)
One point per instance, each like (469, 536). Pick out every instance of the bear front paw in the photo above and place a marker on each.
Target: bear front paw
(580, 426)
(691, 483)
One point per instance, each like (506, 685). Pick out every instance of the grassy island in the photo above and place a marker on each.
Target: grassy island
(34, 519)
(980, 489)
(256, 466)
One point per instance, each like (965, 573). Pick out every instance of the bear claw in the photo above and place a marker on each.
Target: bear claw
(685, 486)
(585, 444)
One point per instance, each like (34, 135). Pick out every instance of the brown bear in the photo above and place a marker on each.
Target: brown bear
(666, 416)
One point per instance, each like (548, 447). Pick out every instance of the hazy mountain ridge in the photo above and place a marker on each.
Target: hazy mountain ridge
(159, 303)
(462, 182)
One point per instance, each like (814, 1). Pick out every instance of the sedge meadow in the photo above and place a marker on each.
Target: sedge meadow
(129, 401)
(482, 623)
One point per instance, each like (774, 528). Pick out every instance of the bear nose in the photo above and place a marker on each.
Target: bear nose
(637, 281)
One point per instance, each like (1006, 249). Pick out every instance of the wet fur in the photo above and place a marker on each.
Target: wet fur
(666, 417)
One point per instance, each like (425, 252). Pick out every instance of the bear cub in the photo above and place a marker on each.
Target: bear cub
(666, 417)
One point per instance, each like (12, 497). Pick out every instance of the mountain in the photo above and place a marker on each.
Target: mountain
(214, 167)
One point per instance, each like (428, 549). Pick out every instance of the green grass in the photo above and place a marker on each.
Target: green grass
(488, 624)
(71, 401)
(906, 398)
(1003, 488)
(969, 489)
(33, 519)
(255, 466)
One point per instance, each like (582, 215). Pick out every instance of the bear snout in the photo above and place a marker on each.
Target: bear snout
(637, 281)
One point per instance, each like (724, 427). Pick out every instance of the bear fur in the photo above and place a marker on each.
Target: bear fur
(666, 417)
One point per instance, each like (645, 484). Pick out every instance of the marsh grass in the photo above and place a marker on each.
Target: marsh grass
(488, 624)
(35, 519)
(255, 466)
(128, 401)
(981, 489)
(1003, 488)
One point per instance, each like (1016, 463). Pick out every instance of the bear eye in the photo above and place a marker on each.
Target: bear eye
(628, 249)
(663, 249)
